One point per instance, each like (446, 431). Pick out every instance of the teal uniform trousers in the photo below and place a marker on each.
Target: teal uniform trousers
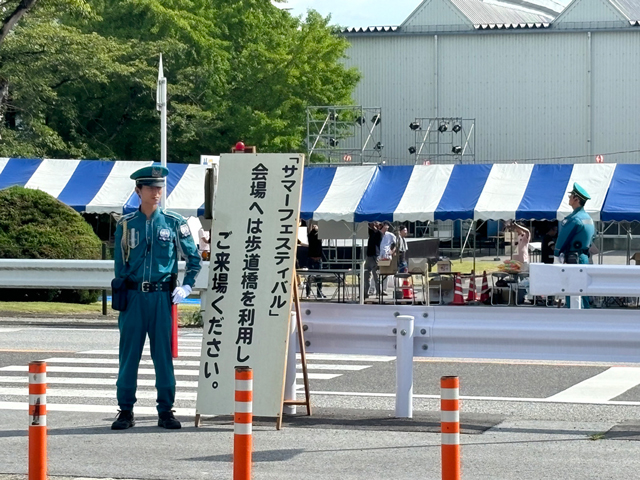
(146, 254)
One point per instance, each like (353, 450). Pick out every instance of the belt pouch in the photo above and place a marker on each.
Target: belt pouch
(119, 294)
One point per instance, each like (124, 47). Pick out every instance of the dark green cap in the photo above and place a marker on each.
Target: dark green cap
(152, 176)
(580, 192)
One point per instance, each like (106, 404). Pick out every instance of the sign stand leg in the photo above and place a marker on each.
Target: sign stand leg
(303, 359)
(197, 421)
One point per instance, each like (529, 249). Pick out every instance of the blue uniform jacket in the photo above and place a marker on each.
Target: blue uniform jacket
(153, 247)
(575, 233)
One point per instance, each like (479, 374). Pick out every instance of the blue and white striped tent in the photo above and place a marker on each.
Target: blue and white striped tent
(95, 186)
(465, 192)
(361, 193)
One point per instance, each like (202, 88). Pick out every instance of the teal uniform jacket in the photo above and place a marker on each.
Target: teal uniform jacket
(574, 237)
(153, 248)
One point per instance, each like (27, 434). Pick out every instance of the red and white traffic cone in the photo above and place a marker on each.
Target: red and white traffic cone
(458, 297)
(484, 292)
(472, 296)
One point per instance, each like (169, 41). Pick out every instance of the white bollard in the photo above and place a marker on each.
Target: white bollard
(404, 366)
(290, 382)
(575, 302)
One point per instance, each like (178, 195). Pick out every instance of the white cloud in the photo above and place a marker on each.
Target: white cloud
(356, 13)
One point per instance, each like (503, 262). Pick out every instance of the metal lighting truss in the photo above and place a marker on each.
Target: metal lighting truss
(444, 140)
(343, 135)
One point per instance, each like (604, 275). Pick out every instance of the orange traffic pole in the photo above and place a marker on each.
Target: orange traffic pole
(242, 424)
(450, 426)
(37, 421)
(174, 330)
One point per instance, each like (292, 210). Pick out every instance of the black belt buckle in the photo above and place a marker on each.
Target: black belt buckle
(146, 287)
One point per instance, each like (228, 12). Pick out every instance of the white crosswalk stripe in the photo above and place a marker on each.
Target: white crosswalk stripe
(89, 378)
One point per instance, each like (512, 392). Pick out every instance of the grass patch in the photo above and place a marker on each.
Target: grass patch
(597, 436)
(481, 265)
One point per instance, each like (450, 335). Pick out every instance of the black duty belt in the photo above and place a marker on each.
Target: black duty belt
(148, 287)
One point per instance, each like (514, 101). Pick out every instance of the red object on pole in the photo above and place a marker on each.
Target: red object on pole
(174, 330)
(243, 424)
(240, 147)
(37, 421)
(458, 297)
(450, 427)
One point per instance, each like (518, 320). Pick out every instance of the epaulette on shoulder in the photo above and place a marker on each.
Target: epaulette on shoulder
(176, 216)
(127, 217)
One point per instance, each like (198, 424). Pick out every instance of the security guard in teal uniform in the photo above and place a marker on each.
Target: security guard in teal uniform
(148, 243)
(576, 233)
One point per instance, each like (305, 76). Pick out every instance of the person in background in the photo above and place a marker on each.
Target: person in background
(575, 234)
(524, 236)
(403, 248)
(315, 259)
(204, 243)
(371, 263)
(387, 249)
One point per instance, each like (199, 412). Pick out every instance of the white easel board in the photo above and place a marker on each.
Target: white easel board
(251, 273)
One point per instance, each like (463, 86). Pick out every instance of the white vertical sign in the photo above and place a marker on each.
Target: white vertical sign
(251, 273)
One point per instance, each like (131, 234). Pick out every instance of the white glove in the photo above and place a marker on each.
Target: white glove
(180, 293)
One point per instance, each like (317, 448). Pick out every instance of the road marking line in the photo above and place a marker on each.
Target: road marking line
(146, 353)
(93, 381)
(186, 412)
(54, 392)
(7, 350)
(601, 387)
(141, 371)
(192, 363)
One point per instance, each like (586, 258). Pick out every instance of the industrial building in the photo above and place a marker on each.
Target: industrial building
(526, 82)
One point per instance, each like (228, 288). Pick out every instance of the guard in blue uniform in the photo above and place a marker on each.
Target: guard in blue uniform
(576, 233)
(148, 244)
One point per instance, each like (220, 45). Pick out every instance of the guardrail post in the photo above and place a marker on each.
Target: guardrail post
(290, 379)
(243, 424)
(37, 421)
(450, 427)
(404, 366)
(575, 302)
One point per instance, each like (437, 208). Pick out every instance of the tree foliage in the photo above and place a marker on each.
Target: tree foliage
(34, 225)
(81, 81)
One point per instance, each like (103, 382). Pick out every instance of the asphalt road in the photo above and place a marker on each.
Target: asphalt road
(520, 420)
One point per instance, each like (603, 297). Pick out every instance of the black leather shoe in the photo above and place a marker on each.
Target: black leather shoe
(168, 421)
(125, 420)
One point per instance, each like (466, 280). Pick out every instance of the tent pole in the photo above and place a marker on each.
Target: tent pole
(628, 229)
(474, 244)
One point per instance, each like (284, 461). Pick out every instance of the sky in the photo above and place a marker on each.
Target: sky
(356, 13)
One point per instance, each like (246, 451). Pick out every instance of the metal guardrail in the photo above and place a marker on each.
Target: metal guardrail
(76, 274)
(589, 280)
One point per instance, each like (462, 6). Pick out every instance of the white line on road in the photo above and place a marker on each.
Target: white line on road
(602, 387)
(54, 392)
(115, 352)
(141, 371)
(93, 381)
(193, 363)
(345, 358)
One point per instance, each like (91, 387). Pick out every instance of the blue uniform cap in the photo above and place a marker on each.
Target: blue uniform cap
(152, 176)
(580, 192)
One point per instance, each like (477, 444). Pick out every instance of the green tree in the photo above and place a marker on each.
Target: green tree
(83, 85)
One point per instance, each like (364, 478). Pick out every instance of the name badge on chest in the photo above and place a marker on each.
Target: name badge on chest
(164, 234)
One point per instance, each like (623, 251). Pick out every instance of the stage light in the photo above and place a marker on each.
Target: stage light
(378, 146)
(457, 127)
(443, 127)
(414, 126)
(333, 142)
(412, 150)
(376, 119)
(457, 149)
(360, 121)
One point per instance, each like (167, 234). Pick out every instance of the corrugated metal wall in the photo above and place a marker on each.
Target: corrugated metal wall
(530, 93)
